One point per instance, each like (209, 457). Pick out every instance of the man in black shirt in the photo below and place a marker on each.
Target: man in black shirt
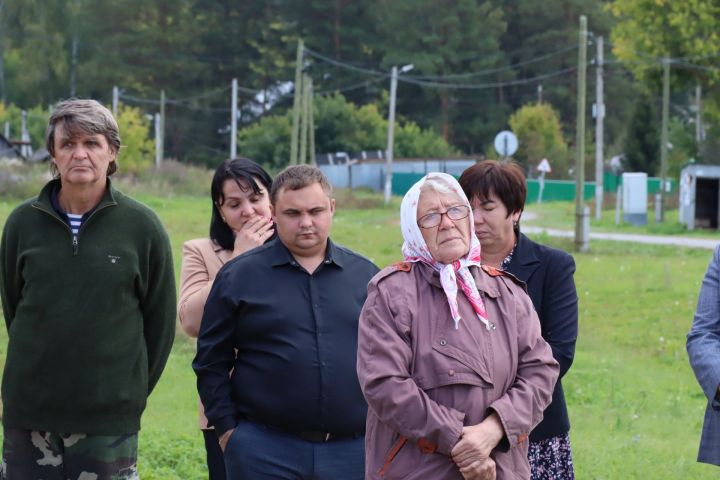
(288, 403)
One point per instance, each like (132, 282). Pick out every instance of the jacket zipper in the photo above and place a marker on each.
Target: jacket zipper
(75, 237)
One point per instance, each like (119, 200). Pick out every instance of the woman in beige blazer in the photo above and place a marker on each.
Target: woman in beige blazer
(240, 221)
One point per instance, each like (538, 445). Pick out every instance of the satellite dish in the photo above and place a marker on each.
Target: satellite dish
(506, 143)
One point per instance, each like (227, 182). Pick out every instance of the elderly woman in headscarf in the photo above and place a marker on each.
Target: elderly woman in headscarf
(450, 356)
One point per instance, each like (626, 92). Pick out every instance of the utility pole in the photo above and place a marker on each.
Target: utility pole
(581, 240)
(2, 54)
(599, 135)
(297, 103)
(391, 129)
(115, 98)
(162, 126)
(158, 141)
(304, 120)
(698, 117)
(311, 121)
(664, 135)
(391, 136)
(26, 148)
(73, 63)
(233, 119)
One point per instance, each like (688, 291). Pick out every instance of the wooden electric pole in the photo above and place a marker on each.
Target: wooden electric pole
(698, 117)
(162, 126)
(599, 134)
(581, 242)
(664, 135)
(233, 118)
(115, 99)
(304, 120)
(311, 121)
(297, 101)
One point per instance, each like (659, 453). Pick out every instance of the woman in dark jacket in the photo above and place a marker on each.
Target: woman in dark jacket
(497, 194)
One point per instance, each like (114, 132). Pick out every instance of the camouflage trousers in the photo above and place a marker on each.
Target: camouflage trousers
(34, 455)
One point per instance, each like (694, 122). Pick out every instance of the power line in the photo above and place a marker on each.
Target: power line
(488, 85)
(138, 99)
(344, 65)
(354, 86)
(672, 60)
(209, 93)
(420, 80)
(692, 66)
(495, 70)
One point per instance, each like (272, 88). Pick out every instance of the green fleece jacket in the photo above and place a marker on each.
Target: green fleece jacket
(90, 321)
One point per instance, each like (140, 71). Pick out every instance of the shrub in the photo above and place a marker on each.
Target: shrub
(340, 126)
(268, 141)
(136, 153)
(539, 133)
(170, 178)
(413, 142)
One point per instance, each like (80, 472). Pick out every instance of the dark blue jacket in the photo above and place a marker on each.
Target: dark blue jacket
(548, 273)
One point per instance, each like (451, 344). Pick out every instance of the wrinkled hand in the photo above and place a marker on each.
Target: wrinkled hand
(479, 470)
(223, 439)
(477, 441)
(252, 234)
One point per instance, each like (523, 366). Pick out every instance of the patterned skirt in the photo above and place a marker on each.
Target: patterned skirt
(551, 459)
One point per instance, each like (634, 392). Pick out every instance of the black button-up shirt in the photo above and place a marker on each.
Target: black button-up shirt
(295, 335)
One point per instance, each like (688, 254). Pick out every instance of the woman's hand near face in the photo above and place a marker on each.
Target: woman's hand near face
(477, 441)
(252, 234)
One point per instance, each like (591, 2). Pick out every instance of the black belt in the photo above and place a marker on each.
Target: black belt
(322, 437)
(312, 435)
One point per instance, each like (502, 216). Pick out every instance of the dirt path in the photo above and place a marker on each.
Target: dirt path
(629, 237)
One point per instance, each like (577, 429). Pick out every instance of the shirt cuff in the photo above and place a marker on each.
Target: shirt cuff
(224, 425)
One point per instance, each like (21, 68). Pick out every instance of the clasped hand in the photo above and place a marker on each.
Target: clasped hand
(472, 452)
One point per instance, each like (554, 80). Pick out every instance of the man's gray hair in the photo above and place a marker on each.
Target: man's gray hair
(296, 177)
(83, 116)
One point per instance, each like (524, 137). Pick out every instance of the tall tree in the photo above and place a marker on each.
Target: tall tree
(444, 39)
(539, 51)
(344, 31)
(642, 144)
(648, 30)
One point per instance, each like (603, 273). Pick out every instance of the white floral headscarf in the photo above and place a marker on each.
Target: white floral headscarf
(415, 250)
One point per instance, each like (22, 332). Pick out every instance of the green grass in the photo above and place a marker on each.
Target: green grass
(635, 408)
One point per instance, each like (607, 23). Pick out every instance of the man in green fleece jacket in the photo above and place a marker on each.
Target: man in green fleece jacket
(88, 294)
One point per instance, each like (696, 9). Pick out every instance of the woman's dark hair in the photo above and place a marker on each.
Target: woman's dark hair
(235, 169)
(505, 179)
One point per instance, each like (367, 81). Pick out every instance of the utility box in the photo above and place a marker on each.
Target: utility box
(634, 196)
(700, 196)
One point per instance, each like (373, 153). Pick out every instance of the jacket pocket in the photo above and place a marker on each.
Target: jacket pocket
(392, 453)
(453, 365)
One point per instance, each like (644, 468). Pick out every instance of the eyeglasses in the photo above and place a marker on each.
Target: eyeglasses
(458, 212)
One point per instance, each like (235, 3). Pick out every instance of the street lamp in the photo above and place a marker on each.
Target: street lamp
(391, 129)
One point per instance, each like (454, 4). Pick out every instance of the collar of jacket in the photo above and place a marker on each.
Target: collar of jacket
(482, 280)
(44, 203)
(524, 261)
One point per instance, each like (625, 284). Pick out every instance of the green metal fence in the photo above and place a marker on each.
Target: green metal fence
(554, 191)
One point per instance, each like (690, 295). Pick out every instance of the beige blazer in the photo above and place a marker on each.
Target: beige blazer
(201, 261)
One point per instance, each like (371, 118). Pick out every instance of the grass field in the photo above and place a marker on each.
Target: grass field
(635, 407)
